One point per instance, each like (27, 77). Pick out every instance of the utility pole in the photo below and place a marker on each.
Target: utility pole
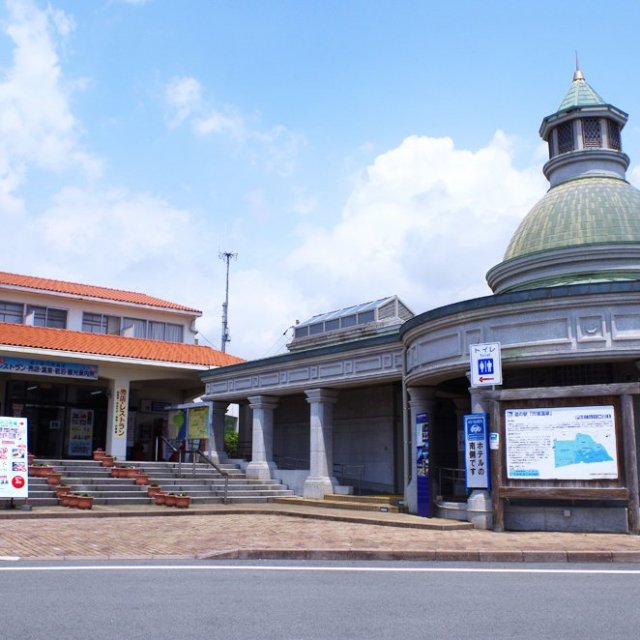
(226, 256)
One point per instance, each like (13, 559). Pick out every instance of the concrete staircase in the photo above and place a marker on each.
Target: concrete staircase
(203, 483)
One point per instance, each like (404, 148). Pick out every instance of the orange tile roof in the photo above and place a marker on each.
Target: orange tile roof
(89, 291)
(98, 344)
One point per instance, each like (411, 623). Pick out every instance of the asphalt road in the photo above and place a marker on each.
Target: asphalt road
(313, 600)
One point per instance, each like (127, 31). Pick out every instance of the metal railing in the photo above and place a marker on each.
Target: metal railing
(194, 451)
(451, 482)
(343, 471)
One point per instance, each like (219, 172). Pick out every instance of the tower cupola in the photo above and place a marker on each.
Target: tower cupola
(583, 136)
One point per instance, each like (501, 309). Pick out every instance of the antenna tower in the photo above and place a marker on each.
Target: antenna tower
(226, 256)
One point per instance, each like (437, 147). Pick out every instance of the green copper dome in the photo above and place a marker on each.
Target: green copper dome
(579, 212)
(580, 94)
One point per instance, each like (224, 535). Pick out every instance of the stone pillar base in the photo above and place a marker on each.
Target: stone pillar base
(480, 510)
(259, 471)
(317, 487)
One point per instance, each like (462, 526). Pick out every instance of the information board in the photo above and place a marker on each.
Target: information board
(423, 464)
(14, 477)
(561, 443)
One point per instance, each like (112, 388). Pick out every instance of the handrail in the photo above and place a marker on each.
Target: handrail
(222, 472)
(179, 450)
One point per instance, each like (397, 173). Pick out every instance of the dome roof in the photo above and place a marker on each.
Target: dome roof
(579, 212)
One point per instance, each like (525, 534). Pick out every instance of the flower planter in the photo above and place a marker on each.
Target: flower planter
(183, 502)
(131, 472)
(142, 479)
(71, 500)
(160, 498)
(107, 461)
(30, 459)
(54, 479)
(170, 500)
(40, 471)
(119, 472)
(98, 454)
(84, 502)
(153, 491)
(62, 490)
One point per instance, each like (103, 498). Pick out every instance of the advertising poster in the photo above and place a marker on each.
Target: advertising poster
(561, 443)
(121, 410)
(198, 423)
(476, 450)
(80, 432)
(14, 469)
(423, 460)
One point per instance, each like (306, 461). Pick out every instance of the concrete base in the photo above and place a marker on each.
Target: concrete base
(293, 478)
(452, 510)
(480, 510)
(569, 519)
(317, 487)
(343, 490)
(259, 471)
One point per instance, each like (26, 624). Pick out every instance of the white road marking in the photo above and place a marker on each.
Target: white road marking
(320, 569)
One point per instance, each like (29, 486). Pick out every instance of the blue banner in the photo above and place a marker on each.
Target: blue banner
(49, 368)
(423, 464)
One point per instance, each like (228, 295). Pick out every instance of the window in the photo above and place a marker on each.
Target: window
(565, 137)
(164, 331)
(332, 325)
(348, 321)
(301, 332)
(315, 329)
(614, 135)
(11, 312)
(591, 136)
(366, 316)
(46, 317)
(134, 328)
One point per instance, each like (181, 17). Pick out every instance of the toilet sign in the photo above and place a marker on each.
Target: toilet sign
(486, 364)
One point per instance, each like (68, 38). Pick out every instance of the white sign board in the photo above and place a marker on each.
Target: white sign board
(476, 430)
(486, 364)
(561, 443)
(14, 467)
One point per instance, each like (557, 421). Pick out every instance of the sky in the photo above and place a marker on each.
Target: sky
(344, 150)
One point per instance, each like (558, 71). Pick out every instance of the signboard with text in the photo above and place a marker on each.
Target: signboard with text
(14, 469)
(476, 451)
(49, 368)
(561, 443)
(486, 364)
(423, 462)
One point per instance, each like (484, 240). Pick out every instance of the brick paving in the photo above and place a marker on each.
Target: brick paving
(286, 532)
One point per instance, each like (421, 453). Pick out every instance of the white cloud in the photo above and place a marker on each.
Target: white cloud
(276, 147)
(426, 222)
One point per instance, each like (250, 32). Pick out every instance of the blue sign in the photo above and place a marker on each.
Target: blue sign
(49, 368)
(476, 451)
(423, 464)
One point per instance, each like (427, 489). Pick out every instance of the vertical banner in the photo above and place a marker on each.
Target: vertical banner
(121, 409)
(80, 432)
(176, 424)
(476, 451)
(423, 460)
(198, 428)
(13, 458)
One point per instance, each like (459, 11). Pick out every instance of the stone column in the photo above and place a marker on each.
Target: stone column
(118, 417)
(320, 481)
(481, 504)
(421, 400)
(216, 442)
(262, 463)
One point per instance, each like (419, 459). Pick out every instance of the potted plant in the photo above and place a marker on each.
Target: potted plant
(182, 500)
(98, 454)
(30, 458)
(170, 499)
(131, 472)
(71, 499)
(159, 498)
(84, 501)
(61, 490)
(54, 478)
(40, 470)
(153, 489)
(142, 479)
(119, 472)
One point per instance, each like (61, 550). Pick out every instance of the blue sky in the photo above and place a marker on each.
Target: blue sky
(345, 150)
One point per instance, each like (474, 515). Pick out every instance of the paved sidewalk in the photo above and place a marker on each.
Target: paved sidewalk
(279, 531)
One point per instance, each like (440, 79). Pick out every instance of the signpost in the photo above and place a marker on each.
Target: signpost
(14, 469)
(486, 364)
(423, 459)
(476, 451)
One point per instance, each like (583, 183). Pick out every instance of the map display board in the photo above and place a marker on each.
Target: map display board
(561, 443)
(14, 479)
